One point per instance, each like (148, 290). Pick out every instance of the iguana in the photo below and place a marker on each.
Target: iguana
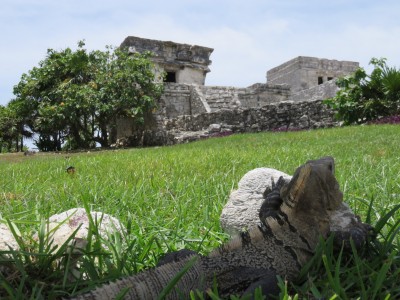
(293, 217)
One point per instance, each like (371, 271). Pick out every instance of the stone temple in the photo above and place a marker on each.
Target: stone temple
(182, 63)
(303, 73)
(291, 97)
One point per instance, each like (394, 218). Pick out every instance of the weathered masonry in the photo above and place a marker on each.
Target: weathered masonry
(189, 110)
(182, 63)
(303, 73)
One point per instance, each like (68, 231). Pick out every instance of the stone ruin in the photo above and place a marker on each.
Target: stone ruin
(182, 63)
(188, 110)
(303, 73)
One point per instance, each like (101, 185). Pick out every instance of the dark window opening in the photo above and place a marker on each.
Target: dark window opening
(330, 78)
(170, 77)
(320, 80)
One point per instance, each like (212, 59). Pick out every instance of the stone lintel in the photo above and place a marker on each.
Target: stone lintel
(170, 52)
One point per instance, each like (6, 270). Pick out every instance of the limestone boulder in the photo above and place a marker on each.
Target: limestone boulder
(62, 226)
(7, 239)
(242, 209)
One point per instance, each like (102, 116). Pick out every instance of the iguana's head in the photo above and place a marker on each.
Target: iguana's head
(313, 188)
(309, 206)
(310, 196)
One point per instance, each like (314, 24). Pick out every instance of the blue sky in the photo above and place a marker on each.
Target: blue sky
(248, 37)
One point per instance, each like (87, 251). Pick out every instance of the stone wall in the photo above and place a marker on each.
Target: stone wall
(281, 116)
(261, 94)
(176, 100)
(278, 116)
(221, 97)
(319, 92)
(186, 112)
(188, 99)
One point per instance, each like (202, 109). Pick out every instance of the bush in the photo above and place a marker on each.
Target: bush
(364, 97)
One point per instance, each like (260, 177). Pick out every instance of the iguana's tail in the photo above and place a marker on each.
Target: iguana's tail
(183, 276)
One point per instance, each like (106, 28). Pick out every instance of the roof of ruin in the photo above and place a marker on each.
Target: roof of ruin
(309, 61)
(170, 52)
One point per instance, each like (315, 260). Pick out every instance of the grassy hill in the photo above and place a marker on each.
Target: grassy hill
(172, 197)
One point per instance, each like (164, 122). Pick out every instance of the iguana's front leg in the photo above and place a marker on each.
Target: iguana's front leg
(358, 233)
(273, 201)
(346, 226)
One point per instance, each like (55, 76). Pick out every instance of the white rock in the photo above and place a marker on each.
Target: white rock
(242, 209)
(7, 239)
(65, 223)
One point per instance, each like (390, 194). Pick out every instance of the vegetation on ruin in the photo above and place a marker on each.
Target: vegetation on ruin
(73, 97)
(366, 97)
(171, 198)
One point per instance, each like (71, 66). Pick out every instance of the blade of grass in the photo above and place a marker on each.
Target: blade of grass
(381, 276)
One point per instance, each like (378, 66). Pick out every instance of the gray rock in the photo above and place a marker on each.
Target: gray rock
(7, 242)
(303, 122)
(7, 239)
(241, 210)
(62, 226)
(214, 128)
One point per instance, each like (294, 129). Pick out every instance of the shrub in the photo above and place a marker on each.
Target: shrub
(364, 97)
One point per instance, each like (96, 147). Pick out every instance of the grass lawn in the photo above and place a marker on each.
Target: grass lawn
(172, 197)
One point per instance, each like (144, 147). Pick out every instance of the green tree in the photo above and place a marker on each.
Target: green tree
(364, 97)
(9, 131)
(124, 86)
(73, 97)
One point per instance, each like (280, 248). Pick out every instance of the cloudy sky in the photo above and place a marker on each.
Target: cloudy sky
(248, 37)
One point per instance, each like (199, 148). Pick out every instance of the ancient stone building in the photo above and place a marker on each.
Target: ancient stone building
(290, 99)
(182, 63)
(303, 72)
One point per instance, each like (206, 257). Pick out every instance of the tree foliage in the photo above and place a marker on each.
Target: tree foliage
(364, 97)
(9, 134)
(74, 97)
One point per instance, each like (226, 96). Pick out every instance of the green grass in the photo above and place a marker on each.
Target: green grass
(172, 196)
